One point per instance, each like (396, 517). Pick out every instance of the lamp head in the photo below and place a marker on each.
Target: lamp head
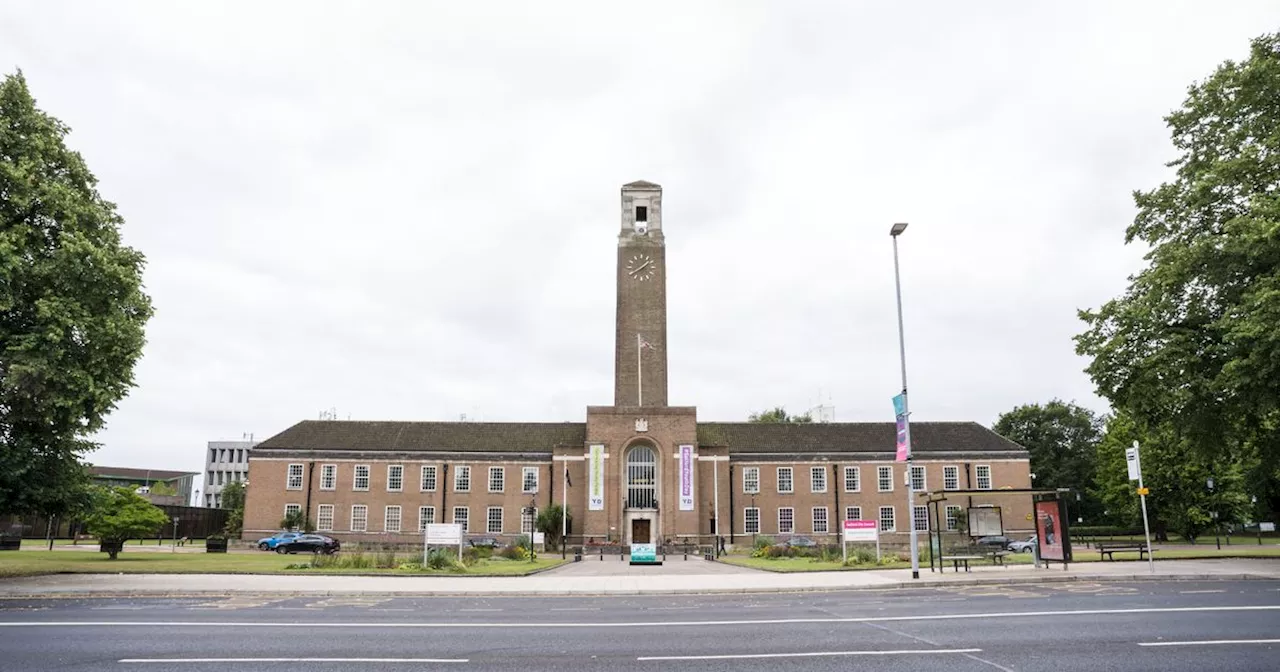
(898, 229)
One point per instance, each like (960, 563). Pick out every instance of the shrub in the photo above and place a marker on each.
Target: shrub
(386, 558)
(410, 567)
(780, 551)
(441, 558)
(470, 556)
(829, 553)
(514, 552)
(889, 558)
(762, 543)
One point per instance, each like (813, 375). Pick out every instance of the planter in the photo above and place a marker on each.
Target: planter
(215, 545)
(10, 543)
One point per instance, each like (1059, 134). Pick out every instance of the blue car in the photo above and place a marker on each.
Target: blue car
(278, 538)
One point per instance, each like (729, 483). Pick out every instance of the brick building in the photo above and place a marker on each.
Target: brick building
(638, 471)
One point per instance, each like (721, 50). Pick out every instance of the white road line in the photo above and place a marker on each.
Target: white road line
(290, 660)
(811, 654)
(634, 624)
(1199, 592)
(575, 609)
(479, 610)
(1212, 642)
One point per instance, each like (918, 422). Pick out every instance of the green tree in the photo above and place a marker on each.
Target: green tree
(549, 523)
(233, 502)
(779, 415)
(1193, 345)
(120, 514)
(294, 520)
(1063, 441)
(163, 489)
(1176, 476)
(72, 309)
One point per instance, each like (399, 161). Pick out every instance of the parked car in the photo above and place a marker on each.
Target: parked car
(800, 542)
(309, 543)
(484, 542)
(276, 539)
(993, 542)
(1025, 546)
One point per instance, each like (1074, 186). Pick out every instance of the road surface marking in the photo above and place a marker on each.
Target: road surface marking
(639, 624)
(479, 610)
(811, 654)
(1212, 641)
(1199, 592)
(291, 660)
(575, 609)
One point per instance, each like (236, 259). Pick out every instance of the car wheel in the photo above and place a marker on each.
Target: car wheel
(263, 547)
(281, 550)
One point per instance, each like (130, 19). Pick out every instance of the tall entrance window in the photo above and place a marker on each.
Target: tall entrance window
(642, 478)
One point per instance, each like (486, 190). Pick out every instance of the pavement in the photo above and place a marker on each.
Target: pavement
(675, 577)
(1162, 624)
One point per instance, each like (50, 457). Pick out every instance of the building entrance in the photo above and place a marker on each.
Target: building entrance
(640, 531)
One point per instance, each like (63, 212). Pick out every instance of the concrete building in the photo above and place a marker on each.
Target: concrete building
(637, 471)
(225, 462)
(181, 481)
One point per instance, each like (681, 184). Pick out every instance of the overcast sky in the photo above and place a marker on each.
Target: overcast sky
(410, 211)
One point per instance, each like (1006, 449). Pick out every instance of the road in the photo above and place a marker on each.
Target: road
(1078, 626)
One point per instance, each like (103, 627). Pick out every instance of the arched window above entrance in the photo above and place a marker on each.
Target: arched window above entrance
(642, 478)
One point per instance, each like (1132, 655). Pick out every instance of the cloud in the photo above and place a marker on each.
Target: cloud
(410, 211)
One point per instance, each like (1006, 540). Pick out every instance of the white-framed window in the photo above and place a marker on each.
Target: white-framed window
(886, 519)
(953, 515)
(983, 474)
(751, 480)
(819, 520)
(395, 477)
(292, 509)
(853, 513)
(427, 482)
(528, 480)
(817, 479)
(785, 480)
(497, 479)
(324, 518)
(786, 520)
(462, 517)
(920, 518)
(951, 478)
(917, 478)
(526, 522)
(462, 479)
(294, 481)
(884, 479)
(391, 521)
(852, 479)
(359, 518)
(328, 477)
(361, 479)
(494, 518)
(751, 520)
(426, 516)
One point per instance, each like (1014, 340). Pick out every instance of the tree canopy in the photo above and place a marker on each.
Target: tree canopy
(779, 415)
(120, 514)
(1191, 350)
(72, 309)
(1063, 441)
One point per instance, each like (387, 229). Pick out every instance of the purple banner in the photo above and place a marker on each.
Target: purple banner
(686, 477)
(903, 446)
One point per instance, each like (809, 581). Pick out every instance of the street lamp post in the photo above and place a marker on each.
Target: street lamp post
(1217, 538)
(895, 231)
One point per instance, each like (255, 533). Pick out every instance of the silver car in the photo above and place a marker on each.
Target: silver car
(1023, 546)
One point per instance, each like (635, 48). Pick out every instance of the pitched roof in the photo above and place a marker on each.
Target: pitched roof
(853, 437)
(641, 184)
(426, 436)
(138, 474)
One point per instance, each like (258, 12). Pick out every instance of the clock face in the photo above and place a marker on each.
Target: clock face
(641, 267)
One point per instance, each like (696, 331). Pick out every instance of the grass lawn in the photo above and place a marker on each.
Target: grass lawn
(30, 563)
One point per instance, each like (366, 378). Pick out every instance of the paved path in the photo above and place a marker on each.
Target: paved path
(576, 581)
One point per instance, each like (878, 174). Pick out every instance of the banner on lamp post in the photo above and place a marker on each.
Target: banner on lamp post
(595, 478)
(904, 443)
(686, 477)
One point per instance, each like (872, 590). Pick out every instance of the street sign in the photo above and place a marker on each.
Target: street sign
(1144, 491)
(539, 537)
(861, 530)
(444, 534)
(1135, 465)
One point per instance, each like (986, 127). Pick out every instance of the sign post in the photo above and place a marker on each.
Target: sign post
(860, 530)
(1135, 474)
(442, 534)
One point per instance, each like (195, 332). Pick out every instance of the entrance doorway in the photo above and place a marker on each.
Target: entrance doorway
(640, 531)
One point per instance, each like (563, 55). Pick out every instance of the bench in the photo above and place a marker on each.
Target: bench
(1106, 550)
(957, 560)
(997, 557)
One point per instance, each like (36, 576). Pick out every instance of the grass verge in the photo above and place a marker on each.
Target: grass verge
(32, 563)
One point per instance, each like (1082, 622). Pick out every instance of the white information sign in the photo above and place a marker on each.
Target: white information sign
(1135, 465)
(444, 534)
(539, 537)
(1267, 527)
(861, 530)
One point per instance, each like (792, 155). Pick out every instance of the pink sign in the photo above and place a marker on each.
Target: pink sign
(686, 477)
(861, 530)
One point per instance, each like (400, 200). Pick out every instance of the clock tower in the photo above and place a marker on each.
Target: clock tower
(640, 352)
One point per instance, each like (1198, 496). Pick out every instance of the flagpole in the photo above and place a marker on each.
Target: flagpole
(639, 373)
